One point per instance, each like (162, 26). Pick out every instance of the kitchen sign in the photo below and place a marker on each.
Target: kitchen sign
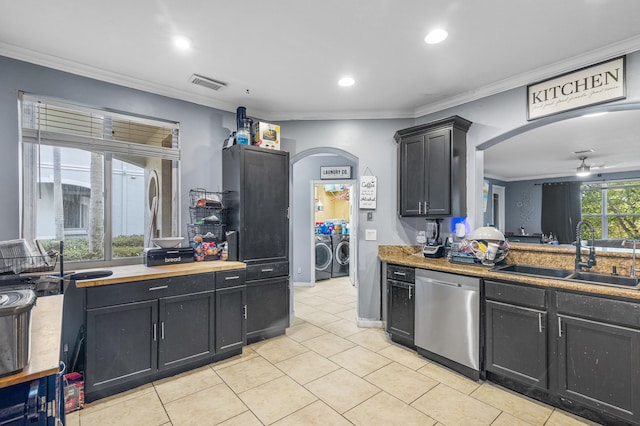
(335, 172)
(368, 189)
(597, 84)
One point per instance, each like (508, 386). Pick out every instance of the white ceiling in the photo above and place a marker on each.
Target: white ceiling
(289, 54)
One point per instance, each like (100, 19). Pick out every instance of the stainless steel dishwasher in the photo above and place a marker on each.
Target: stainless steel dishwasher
(447, 320)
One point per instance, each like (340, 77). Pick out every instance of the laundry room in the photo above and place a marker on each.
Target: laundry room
(332, 210)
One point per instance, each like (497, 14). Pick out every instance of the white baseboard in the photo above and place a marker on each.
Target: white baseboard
(303, 284)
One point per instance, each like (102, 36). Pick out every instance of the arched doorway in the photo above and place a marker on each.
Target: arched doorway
(305, 175)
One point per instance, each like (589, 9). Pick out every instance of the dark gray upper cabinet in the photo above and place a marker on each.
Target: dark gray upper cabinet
(257, 201)
(432, 168)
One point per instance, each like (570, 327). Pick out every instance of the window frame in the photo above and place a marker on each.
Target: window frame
(604, 216)
(107, 148)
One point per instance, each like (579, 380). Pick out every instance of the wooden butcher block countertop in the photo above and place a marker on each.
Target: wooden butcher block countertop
(46, 327)
(130, 273)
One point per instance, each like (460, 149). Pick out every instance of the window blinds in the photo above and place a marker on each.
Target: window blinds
(53, 122)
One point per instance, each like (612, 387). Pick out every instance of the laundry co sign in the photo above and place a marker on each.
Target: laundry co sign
(603, 82)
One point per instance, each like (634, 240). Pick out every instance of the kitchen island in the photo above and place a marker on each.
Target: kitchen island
(141, 323)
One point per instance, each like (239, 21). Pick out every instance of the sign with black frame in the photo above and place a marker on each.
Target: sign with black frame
(596, 84)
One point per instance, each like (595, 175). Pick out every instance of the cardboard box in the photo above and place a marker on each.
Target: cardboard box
(73, 392)
(266, 135)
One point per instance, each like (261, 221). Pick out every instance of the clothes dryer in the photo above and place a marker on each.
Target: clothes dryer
(324, 256)
(340, 266)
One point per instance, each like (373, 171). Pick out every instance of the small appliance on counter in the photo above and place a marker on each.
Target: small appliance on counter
(168, 256)
(433, 247)
(15, 319)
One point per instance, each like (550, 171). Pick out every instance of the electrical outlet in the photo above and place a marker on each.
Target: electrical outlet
(370, 234)
(299, 270)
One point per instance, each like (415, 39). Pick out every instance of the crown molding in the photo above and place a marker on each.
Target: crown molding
(571, 64)
(521, 80)
(88, 71)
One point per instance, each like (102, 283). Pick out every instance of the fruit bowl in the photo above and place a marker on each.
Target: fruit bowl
(167, 242)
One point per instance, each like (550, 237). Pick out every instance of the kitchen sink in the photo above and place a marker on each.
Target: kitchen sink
(537, 271)
(575, 276)
(605, 279)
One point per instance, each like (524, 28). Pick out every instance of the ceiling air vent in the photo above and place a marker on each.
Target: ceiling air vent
(207, 82)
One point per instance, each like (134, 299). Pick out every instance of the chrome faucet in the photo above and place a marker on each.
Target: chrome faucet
(592, 250)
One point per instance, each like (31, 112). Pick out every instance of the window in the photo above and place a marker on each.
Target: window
(103, 182)
(613, 208)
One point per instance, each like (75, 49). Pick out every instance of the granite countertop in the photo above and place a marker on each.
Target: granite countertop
(46, 328)
(412, 256)
(131, 273)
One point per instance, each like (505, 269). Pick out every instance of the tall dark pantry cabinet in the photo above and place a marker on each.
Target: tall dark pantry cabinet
(256, 185)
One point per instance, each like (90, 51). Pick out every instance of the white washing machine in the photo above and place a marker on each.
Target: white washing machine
(324, 256)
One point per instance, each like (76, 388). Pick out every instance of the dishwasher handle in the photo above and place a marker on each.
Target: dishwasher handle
(438, 282)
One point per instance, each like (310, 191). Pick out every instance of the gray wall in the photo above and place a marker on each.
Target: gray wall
(371, 142)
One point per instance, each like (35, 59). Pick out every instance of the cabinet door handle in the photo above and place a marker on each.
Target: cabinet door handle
(245, 311)
(540, 322)
(410, 295)
(419, 207)
(162, 330)
(155, 332)
(160, 287)
(235, 277)
(267, 270)
(402, 274)
(559, 327)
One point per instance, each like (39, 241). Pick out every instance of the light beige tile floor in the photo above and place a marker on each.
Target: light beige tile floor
(324, 371)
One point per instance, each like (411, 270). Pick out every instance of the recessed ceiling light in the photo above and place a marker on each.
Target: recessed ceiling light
(436, 36)
(346, 81)
(181, 42)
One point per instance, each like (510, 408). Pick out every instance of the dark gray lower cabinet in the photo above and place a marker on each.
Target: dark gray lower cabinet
(231, 315)
(401, 312)
(143, 331)
(185, 329)
(121, 346)
(400, 304)
(588, 362)
(516, 333)
(599, 354)
(267, 308)
(133, 341)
